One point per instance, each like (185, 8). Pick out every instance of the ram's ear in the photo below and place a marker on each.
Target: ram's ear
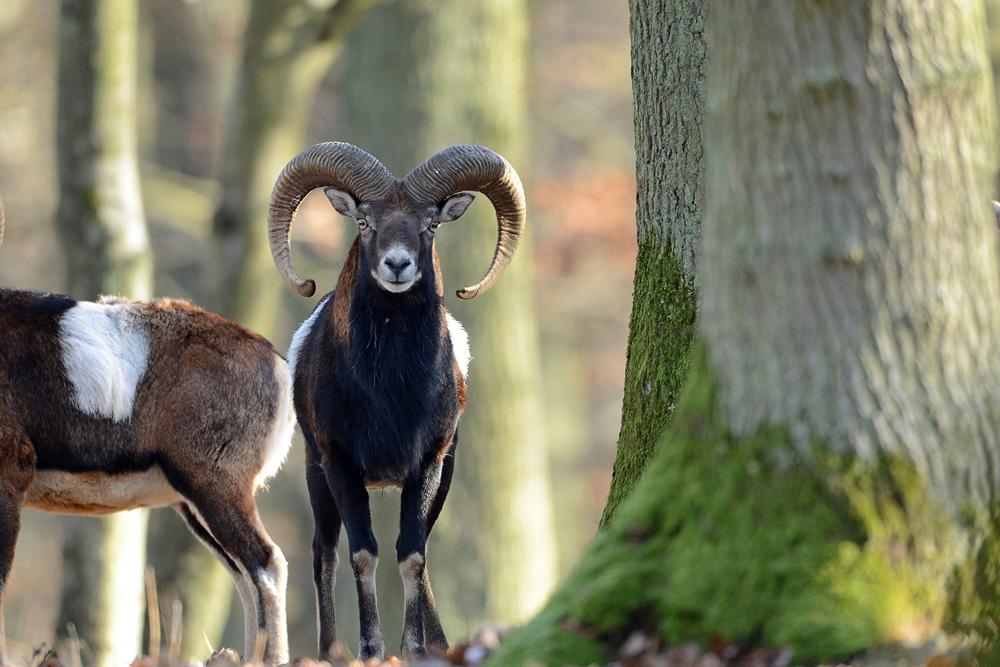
(342, 200)
(455, 205)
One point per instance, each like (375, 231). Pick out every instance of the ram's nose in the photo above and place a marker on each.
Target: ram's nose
(397, 263)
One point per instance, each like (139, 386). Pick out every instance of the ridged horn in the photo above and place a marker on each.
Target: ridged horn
(332, 163)
(475, 168)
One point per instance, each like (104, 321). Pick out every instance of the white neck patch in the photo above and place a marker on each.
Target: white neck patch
(299, 338)
(459, 344)
(105, 351)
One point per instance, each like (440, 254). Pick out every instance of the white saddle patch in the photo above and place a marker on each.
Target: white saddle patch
(105, 351)
(459, 344)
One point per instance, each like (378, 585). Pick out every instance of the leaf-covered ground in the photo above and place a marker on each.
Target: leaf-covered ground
(639, 650)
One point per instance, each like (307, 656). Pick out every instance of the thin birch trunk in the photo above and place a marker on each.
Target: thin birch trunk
(101, 225)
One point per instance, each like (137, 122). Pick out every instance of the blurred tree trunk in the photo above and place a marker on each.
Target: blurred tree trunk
(421, 77)
(993, 42)
(101, 226)
(668, 84)
(829, 481)
(288, 48)
(187, 82)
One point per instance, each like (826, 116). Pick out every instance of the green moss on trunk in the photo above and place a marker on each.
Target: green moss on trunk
(744, 540)
(661, 329)
(974, 609)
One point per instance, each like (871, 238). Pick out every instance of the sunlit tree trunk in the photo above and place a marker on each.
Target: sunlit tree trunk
(993, 43)
(829, 480)
(102, 228)
(422, 77)
(668, 82)
(184, 76)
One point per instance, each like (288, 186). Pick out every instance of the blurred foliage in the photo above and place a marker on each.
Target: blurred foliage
(581, 197)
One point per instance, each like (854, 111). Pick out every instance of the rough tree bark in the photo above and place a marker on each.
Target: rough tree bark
(421, 77)
(101, 226)
(829, 480)
(668, 84)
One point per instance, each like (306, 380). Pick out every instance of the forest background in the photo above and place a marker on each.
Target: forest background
(577, 162)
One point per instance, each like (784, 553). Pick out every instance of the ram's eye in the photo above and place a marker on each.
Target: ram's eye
(362, 224)
(433, 226)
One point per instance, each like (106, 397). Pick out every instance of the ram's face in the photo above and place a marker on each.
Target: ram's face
(397, 233)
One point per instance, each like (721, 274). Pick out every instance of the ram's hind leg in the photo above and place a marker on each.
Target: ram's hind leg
(434, 636)
(240, 578)
(324, 550)
(228, 514)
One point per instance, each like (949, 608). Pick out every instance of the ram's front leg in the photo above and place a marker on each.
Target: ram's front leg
(419, 494)
(348, 489)
(324, 549)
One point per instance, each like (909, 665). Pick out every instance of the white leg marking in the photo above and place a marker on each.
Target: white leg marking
(261, 591)
(272, 583)
(105, 350)
(244, 586)
(365, 565)
(411, 570)
(459, 343)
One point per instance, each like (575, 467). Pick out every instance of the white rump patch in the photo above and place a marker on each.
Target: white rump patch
(105, 351)
(299, 339)
(284, 424)
(459, 343)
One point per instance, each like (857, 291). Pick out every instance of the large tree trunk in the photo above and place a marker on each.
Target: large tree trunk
(829, 479)
(853, 228)
(101, 225)
(421, 77)
(668, 83)
(850, 282)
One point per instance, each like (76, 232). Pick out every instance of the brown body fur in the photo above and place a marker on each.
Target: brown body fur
(207, 415)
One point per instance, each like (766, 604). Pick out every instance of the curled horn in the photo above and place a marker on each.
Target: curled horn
(333, 163)
(475, 168)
